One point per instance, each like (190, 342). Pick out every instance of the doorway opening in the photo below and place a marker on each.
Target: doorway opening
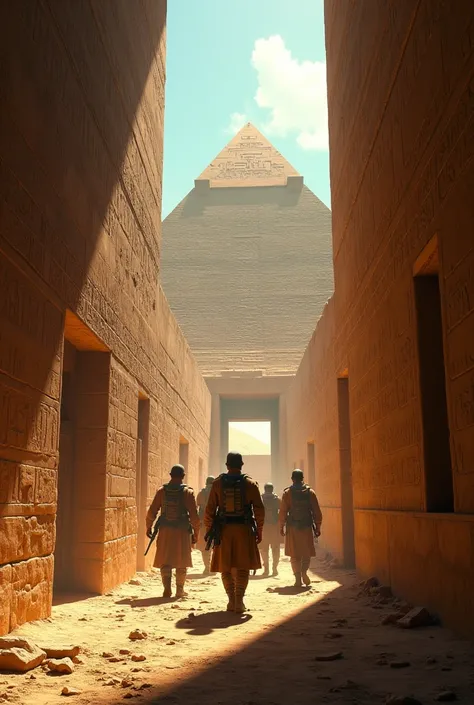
(142, 476)
(311, 479)
(253, 439)
(345, 464)
(431, 361)
(82, 469)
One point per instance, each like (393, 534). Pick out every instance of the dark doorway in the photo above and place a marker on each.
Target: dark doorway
(345, 463)
(311, 466)
(142, 477)
(434, 410)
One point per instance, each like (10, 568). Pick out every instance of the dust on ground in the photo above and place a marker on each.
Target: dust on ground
(195, 652)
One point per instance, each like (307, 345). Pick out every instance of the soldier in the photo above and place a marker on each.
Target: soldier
(178, 529)
(271, 535)
(301, 515)
(201, 501)
(234, 518)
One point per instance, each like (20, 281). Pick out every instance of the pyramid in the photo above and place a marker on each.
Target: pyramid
(248, 160)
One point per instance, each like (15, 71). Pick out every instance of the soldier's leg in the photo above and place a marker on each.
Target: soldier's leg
(304, 570)
(265, 553)
(180, 581)
(275, 557)
(229, 587)
(166, 580)
(296, 568)
(241, 582)
(206, 559)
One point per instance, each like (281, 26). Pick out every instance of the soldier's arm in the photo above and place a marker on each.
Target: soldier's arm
(191, 506)
(211, 508)
(282, 514)
(316, 509)
(155, 507)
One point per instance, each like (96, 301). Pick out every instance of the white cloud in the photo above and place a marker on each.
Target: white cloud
(237, 121)
(293, 91)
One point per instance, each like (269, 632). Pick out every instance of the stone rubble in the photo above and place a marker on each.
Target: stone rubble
(19, 654)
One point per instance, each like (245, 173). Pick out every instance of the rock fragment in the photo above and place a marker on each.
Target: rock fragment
(330, 656)
(68, 651)
(19, 654)
(137, 634)
(400, 664)
(70, 691)
(446, 696)
(416, 617)
(60, 665)
(135, 581)
(138, 657)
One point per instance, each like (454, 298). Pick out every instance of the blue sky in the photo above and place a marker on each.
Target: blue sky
(221, 56)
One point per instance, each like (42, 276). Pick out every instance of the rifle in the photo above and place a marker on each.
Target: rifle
(213, 536)
(154, 534)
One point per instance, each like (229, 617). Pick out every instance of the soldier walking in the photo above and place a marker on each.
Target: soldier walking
(300, 517)
(201, 501)
(271, 535)
(234, 521)
(178, 529)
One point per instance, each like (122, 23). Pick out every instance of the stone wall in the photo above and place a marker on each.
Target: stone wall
(400, 85)
(81, 135)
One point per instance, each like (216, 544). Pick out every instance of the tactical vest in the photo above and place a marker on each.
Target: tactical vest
(202, 507)
(174, 512)
(234, 509)
(300, 514)
(270, 502)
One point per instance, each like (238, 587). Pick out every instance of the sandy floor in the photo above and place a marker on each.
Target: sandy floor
(197, 653)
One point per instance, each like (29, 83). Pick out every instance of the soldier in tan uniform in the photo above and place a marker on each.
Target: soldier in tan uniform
(271, 534)
(201, 501)
(300, 515)
(178, 529)
(234, 518)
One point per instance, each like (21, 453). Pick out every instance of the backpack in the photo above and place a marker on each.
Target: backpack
(173, 511)
(234, 509)
(300, 514)
(270, 502)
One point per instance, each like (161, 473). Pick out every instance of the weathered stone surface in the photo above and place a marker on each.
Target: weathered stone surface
(19, 654)
(417, 617)
(60, 665)
(400, 664)
(402, 700)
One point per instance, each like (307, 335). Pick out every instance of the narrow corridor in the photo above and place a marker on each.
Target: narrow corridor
(196, 652)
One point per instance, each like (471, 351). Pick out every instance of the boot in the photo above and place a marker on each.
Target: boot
(304, 571)
(180, 581)
(229, 587)
(298, 582)
(166, 580)
(266, 570)
(275, 570)
(180, 591)
(239, 607)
